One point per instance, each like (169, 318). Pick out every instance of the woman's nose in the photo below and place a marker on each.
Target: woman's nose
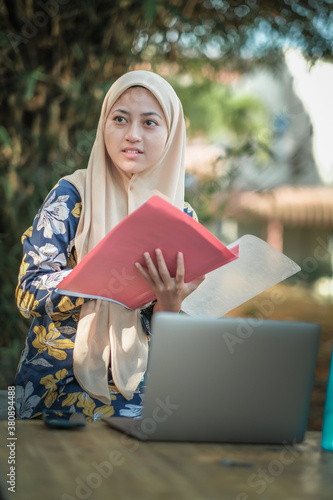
(133, 132)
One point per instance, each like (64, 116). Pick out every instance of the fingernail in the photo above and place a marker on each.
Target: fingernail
(146, 254)
(158, 251)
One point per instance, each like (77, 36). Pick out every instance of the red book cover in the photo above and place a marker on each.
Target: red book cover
(109, 271)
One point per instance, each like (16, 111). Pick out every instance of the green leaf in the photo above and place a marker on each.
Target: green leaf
(30, 87)
(5, 137)
(150, 10)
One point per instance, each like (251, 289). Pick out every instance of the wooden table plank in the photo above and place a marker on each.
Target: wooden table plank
(97, 462)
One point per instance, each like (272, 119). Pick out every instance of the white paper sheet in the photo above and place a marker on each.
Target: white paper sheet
(258, 267)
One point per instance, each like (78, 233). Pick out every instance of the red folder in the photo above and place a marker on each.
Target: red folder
(109, 271)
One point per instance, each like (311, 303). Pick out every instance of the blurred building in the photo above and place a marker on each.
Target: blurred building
(297, 220)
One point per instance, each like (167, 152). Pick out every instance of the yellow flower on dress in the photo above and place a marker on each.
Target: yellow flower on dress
(26, 303)
(66, 304)
(70, 399)
(23, 268)
(82, 400)
(88, 405)
(72, 260)
(51, 385)
(26, 234)
(77, 210)
(103, 411)
(49, 341)
(68, 309)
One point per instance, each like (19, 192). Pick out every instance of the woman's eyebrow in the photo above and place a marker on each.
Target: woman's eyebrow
(120, 111)
(151, 113)
(148, 113)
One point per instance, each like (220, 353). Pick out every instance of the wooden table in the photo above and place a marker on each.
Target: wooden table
(98, 463)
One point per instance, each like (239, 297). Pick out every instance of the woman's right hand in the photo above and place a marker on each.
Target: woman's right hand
(170, 292)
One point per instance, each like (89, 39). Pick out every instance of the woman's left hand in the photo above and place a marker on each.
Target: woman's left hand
(170, 292)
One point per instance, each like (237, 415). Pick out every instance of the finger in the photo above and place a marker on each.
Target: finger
(144, 273)
(180, 273)
(152, 271)
(162, 267)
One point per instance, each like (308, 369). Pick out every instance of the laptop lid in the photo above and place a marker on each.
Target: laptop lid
(229, 379)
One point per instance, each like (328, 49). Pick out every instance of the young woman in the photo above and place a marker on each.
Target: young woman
(90, 356)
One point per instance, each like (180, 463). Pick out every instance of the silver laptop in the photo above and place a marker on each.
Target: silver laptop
(233, 380)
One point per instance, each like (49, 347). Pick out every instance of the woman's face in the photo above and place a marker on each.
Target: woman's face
(136, 131)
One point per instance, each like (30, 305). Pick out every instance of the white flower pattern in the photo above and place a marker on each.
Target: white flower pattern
(48, 257)
(130, 410)
(50, 281)
(52, 216)
(25, 401)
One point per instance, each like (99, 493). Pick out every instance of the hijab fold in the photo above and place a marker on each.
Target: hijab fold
(107, 331)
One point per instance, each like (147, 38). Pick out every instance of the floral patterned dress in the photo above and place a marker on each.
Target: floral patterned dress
(45, 377)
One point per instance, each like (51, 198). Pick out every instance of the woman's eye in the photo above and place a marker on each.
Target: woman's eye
(119, 119)
(151, 123)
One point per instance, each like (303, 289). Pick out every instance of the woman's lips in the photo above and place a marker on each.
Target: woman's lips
(132, 152)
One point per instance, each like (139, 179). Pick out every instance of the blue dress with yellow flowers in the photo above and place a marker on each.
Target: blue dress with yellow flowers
(45, 377)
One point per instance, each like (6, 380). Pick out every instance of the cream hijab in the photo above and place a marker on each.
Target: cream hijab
(108, 195)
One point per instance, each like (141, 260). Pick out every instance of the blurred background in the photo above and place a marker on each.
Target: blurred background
(255, 79)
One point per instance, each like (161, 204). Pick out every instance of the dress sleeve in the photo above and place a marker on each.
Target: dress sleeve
(49, 254)
(189, 210)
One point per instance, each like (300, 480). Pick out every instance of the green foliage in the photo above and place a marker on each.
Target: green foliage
(215, 111)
